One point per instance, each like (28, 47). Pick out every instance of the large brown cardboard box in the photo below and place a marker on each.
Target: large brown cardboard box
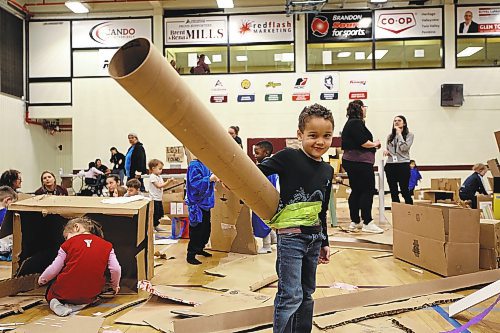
(489, 240)
(37, 224)
(442, 239)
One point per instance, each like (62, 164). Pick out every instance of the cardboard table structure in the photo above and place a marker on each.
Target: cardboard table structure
(37, 224)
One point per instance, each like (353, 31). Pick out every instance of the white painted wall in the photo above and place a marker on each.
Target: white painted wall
(29, 148)
(103, 113)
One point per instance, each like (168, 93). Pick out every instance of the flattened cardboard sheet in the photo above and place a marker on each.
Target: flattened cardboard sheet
(358, 244)
(181, 295)
(410, 326)
(55, 324)
(13, 305)
(155, 307)
(264, 315)
(238, 276)
(359, 314)
(229, 301)
(122, 307)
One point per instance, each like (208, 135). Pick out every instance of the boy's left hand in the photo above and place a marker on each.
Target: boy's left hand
(324, 255)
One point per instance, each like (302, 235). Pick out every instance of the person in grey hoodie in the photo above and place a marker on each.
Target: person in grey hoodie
(397, 168)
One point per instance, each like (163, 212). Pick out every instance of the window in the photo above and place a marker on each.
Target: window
(478, 52)
(339, 56)
(408, 54)
(262, 58)
(187, 57)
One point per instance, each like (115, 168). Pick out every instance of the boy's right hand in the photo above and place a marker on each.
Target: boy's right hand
(116, 290)
(41, 281)
(213, 178)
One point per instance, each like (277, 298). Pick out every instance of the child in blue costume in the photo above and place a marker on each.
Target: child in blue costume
(261, 151)
(415, 177)
(199, 199)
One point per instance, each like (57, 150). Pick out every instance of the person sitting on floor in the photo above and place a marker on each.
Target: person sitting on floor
(77, 275)
(473, 184)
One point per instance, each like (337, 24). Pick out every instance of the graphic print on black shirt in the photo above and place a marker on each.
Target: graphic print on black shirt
(302, 179)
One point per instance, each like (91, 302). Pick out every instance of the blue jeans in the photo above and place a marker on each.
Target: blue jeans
(296, 267)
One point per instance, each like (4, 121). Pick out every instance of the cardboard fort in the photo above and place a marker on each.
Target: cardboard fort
(442, 239)
(146, 75)
(38, 224)
(489, 240)
(231, 224)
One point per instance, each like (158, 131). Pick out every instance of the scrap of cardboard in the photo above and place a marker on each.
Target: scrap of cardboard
(155, 308)
(16, 285)
(264, 315)
(359, 314)
(13, 305)
(181, 295)
(410, 326)
(359, 244)
(475, 298)
(238, 276)
(229, 301)
(122, 307)
(55, 324)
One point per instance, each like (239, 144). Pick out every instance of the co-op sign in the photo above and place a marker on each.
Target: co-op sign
(397, 22)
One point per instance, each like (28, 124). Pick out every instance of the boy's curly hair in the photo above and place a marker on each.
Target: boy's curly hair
(315, 110)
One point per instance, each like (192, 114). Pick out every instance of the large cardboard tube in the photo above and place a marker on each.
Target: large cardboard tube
(146, 75)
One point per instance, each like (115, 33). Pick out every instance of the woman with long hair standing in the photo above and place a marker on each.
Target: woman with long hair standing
(358, 160)
(397, 168)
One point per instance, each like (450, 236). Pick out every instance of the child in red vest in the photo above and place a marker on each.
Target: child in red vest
(79, 268)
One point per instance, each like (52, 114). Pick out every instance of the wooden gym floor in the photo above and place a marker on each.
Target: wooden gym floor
(356, 267)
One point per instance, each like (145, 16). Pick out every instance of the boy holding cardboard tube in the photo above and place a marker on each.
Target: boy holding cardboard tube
(305, 187)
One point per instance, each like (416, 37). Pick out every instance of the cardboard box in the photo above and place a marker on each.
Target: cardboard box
(38, 223)
(173, 193)
(489, 240)
(496, 206)
(447, 184)
(442, 239)
(177, 209)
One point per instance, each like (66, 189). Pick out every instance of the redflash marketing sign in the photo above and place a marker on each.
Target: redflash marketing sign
(336, 26)
(408, 23)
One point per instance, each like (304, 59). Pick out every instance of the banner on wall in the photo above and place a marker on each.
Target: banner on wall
(260, 28)
(218, 92)
(246, 94)
(301, 90)
(478, 20)
(108, 33)
(196, 30)
(339, 26)
(408, 23)
(329, 87)
(358, 87)
(274, 91)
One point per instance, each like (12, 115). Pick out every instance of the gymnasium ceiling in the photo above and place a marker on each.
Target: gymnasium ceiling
(103, 6)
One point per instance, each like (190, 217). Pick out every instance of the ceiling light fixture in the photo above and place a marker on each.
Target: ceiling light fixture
(241, 58)
(225, 3)
(77, 7)
(379, 54)
(378, 1)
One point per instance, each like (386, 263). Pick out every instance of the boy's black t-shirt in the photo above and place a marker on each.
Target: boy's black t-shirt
(302, 179)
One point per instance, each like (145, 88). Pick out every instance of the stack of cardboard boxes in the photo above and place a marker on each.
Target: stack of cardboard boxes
(173, 199)
(441, 238)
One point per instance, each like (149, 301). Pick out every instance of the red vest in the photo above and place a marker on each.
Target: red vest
(82, 277)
